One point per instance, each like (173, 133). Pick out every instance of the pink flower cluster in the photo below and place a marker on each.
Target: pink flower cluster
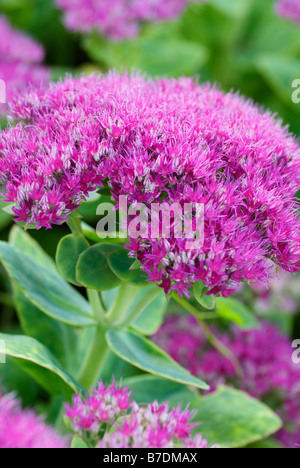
(118, 19)
(20, 59)
(289, 9)
(265, 355)
(152, 426)
(23, 428)
(103, 406)
(171, 141)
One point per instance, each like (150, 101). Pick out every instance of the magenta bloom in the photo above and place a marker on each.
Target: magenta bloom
(141, 426)
(23, 428)
(289, 9)
(118, 19)
(154, 426)
(103, 406)
(20, 60)
(265, 356)
(170, 141)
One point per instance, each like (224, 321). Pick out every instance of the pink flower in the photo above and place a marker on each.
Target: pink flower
(103, 405)
(23, 428)
(20, 60)
(171, 141)
(113, 421)
(289, 9)
(265, 355)
(118, 19)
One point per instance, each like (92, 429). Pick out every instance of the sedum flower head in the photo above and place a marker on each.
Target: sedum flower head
(289, 9)
(266, 357)
(20, 59)
(23, 428)
(103, 406)
(156, 141)
(108, 419)
(118, 19)
(154, 426)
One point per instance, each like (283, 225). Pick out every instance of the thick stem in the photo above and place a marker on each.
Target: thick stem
(124, 299)
(74, 224)
(97, 305)
(92, 366)
(144, 302)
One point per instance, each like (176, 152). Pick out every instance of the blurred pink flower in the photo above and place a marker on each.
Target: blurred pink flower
(22, 428)
(265, 355)
(20, 61)
(118, 19)
(289, 9)
(128, 425)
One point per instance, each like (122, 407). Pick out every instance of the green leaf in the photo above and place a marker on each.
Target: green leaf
(78, 443)
(145, 355)
(68, 251)
(121, 264)
(147, 388)
(5, 218)
(59, 338)
(199, 290)
(26, 245)
(152, 316)
(46, 289)
(91, 234)
(93, 271)
(38, 362)
(280, 72)
(156, 54)
(235, 311)
(232, 419)
(267, 444)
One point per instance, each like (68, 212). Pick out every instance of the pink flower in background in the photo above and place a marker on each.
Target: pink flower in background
(289, 9)
(16, 46)
(155, 141)
(20, 61)
(118, 19)
(128, 425)
(102, 406)
(265, 355)
(23, 428)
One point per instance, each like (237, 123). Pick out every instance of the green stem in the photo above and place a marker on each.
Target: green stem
(93, 364)
(125, 297)
(144, 302)
(97, 305)
(211, 338)
(74, 224)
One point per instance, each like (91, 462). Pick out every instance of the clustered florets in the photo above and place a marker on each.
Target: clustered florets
(118, 19)
(20, 59)
(108, 419)
(171, 141)
(23, 428)
(289, 9)
(268, 371)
